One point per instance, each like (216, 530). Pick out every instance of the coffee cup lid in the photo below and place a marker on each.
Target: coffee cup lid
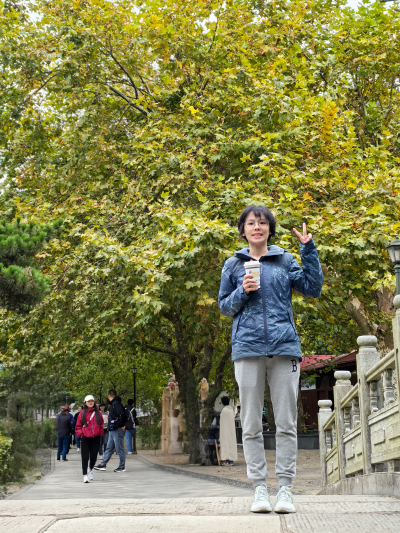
(250, 264)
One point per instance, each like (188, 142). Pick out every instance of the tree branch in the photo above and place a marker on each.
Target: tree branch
(45, 83)
(219, 372)
(355, 310)
(127, 100)
(215, 30)
(155, 349)
(145, 84)
(123, 69)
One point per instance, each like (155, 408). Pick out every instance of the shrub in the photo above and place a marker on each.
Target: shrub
(148, 435)
(5, 457)
(49, 433)
(24, 437)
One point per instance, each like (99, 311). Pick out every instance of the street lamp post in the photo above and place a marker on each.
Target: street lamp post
(394, 254)
(134, 371)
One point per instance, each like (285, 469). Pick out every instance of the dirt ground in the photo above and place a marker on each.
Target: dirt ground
(307, 481)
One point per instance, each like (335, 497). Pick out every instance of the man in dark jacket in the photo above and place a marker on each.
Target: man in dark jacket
(64, 430)
(130, 427)
(116, 428)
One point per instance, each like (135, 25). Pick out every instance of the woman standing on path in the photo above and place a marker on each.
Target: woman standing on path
(227, 433)
(64, 430)
(89, 428)
(265, 342)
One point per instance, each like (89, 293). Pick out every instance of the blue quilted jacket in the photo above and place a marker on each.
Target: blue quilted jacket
(263, 320)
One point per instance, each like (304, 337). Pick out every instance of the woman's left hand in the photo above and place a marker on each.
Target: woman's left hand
(306, 237)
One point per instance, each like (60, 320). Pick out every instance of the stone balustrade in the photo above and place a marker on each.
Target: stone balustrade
(361, 435)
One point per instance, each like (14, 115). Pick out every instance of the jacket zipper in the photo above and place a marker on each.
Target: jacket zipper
(263, 303)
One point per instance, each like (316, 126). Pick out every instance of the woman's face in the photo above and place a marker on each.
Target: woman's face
(102, 408)
(90, 403)
(256, 230)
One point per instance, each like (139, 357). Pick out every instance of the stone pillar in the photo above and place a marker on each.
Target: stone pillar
(342, 387)
(396, 342)
(367, 357)
(324, 413)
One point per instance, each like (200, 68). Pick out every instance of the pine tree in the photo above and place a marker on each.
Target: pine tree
(21, 285)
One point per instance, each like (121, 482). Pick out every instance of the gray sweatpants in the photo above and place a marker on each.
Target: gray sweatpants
(283, 378)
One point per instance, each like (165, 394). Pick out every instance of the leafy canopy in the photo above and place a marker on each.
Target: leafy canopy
(148, 126)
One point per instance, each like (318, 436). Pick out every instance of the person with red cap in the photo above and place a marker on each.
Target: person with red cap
(89, 428)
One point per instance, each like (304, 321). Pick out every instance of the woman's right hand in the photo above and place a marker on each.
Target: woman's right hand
(249, 284)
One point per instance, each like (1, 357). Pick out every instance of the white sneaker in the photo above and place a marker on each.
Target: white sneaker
(129, 453)
(85, 479)
(284, 501)
(78, 450)
(261, 500)
(90, 475)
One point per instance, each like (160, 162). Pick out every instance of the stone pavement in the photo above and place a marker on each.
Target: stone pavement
(308, 472)
(132, 501)
(139, 481)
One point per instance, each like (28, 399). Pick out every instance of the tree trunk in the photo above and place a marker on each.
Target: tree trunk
(188, 389)
(384, 304)
(218, 386)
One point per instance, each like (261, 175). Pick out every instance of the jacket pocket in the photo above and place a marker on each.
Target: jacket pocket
(292, 322)
(235, 327)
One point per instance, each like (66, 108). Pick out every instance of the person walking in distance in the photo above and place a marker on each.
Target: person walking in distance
(130, 426)
(73, 428)
(227, 433)
(77, 439)
(104, 438)
(64, 431)
(116, 427)
(265, 342)
(89, 428)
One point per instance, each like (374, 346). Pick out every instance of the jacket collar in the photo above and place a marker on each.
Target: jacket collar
(272, 250)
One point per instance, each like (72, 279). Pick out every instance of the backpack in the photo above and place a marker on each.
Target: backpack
(130, 417)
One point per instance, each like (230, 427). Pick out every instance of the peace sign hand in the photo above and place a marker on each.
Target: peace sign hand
(305, 237)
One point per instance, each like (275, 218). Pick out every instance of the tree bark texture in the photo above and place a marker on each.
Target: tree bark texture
(188, 388)
(383, 304)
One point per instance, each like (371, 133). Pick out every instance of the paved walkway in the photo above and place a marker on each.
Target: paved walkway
(139, 481)
(147, 499)
(308, 470)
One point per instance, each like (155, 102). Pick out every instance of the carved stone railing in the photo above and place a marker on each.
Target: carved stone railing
(362, 434)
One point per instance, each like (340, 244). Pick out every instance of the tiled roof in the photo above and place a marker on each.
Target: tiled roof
(315, 362)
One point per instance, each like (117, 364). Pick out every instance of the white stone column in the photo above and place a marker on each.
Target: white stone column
(324, 413)
(342, 387)
(367, 357)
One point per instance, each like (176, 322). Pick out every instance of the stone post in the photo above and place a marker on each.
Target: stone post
(342, 387)
(396, 342)
(324, 413)
(367, 357)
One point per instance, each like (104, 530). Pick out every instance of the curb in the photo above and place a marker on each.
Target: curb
(208, 477)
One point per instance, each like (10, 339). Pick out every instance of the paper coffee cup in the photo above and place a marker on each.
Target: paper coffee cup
(253, 268)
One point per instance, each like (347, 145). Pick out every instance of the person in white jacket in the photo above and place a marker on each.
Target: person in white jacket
(227, 433)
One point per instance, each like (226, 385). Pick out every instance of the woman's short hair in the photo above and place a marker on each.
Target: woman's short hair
(225, 400)
(259, 211)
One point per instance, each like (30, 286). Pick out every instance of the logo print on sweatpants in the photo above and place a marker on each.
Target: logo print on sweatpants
(294, 365)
